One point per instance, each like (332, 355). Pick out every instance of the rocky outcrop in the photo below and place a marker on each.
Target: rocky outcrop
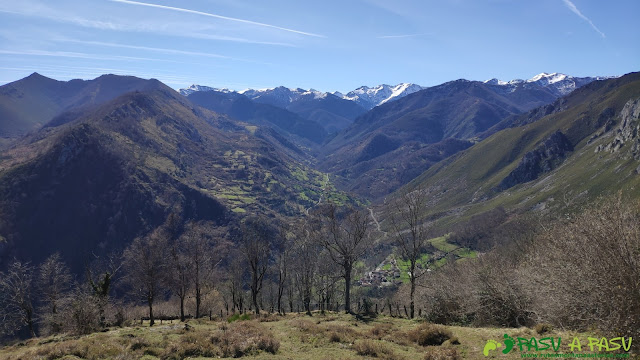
(626, 135)
(547, 156)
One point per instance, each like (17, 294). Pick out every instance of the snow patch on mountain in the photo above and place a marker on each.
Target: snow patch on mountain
(558, 83)
(195, 88)
(370, 97)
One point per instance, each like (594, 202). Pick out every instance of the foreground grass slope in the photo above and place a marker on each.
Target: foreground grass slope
(329, 336)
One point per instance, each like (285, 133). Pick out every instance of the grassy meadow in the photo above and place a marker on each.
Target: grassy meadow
(293, 336)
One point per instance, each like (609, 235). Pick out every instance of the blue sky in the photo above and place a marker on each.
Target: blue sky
(326, 45)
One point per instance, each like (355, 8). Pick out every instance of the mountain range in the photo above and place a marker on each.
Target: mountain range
(102, 161)
(104, 172)
(370, 97)
(551, 159)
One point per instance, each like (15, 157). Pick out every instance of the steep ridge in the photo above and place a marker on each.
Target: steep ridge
(117, 170)
(239, 107)
(455, 110)
(331, 112)
(29, 103)
(546, 162)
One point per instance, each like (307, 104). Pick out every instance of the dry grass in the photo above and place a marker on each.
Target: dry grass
(375, 349)
(429, 334)
(543, 328)
(333, 336)
(441, 354)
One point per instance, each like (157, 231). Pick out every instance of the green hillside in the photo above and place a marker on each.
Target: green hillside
(469, 180)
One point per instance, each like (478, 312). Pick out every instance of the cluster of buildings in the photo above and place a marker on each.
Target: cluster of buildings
(380, 276)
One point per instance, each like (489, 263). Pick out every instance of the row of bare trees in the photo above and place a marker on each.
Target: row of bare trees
(307, 257)
(297, 264)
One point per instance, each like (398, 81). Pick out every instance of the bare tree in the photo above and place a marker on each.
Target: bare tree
(203, 251)
(282, 264)
(346, 239)
(326, 279)
(145, 263)
(235, 280)
(255, 245)
(16, 303)
(410, 234)
(106, 268)
(305, 254)
(54, 281)
(179, 275)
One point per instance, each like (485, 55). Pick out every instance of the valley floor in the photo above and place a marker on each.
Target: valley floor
(329, 336)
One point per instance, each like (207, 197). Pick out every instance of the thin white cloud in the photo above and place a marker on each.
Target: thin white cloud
(44, 12)
(400, 36)
(575, 10)
(68, 54)
(217, 17)
(146, 48)
(160, 50)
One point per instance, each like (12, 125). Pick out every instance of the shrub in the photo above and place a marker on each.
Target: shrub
(429, 334)
(454, 340)
(587, 269)
(306, 326)
(441, 354)
(543, 328)
(334, 337)
(138, 343)
(244, 338)
(236, 317)
(380, 330)
(373, 348)
(192, 344)
(341, 333)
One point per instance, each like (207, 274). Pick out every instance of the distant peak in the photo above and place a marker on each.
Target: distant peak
(550, 77)
(495, 81)
(36, 75)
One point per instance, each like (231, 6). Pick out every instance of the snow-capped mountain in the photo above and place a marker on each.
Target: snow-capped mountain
(330, 111)
(370, 97)
(279, 96)
(282, 96)
(367, 97)
(194, 88)
(559, 84)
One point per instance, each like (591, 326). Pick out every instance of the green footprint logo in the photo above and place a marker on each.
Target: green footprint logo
(491, 345)
(508, 343)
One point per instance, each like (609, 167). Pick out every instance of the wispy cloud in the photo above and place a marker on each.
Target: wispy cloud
(146, 48)
(576, 11)
(160, 50)
(39, 10)
(400, 36)
(217, 16)
(68, 54)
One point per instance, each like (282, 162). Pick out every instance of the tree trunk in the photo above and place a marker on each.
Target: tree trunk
(182, 308)
(347, 288)
(254, 299)
(307, 303)
(413, 290)
(198, 300)
(150, 301)
(32, 332)
(290, 303)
